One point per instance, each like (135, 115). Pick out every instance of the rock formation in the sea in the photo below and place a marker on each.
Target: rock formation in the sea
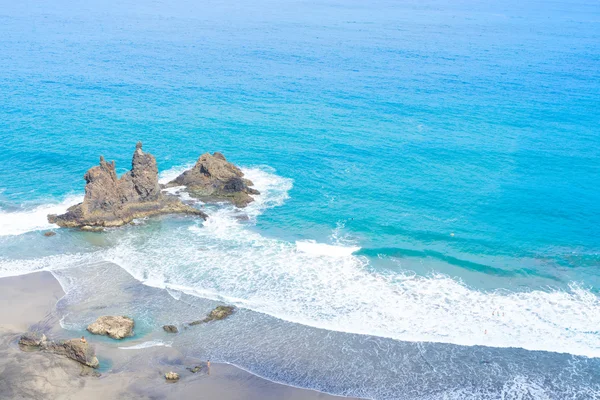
(170, 329)
(213, 178)
(112, 201)
(49, 233)
(75, 349)
(116, 327)
(219, 313)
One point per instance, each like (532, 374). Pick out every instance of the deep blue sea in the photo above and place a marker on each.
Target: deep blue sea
(429, 224)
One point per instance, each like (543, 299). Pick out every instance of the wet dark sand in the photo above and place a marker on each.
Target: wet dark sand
(28, 302)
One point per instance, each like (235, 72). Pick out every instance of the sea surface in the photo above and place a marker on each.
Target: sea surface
(429, 223)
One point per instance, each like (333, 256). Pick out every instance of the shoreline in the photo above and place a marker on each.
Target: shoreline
(29, 302)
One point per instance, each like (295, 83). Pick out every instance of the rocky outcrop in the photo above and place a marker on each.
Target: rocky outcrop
(170, 329)
(219, 313)
(215, 179)
(76, 349)
(112, 201)
(116, 327)
(33, 339)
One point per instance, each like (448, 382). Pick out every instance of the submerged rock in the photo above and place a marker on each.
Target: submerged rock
(170, 329)
(75, 349)
(111, 201)
(219, 313)
(116, 327)
(33, 339)
(213, 178)
(172, 376)
(49, 233)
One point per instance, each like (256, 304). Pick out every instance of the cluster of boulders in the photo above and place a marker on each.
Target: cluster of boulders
(76, 349)
(116, 327)
(112, 201)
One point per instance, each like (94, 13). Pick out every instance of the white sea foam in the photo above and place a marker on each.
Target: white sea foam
(23, 221)
(324, 249)
(34, 219)
(145, 345)
(326, 286)
(168, 175)
(13, 267)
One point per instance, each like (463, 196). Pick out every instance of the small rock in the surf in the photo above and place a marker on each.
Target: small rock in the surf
(49, 233)
(116, 327)
(170, 329)
(219, 313)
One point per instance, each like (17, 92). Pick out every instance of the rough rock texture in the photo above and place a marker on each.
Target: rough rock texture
(116, 327)
(33, 339)
(219, 313)
(170, 329)
(215, 179)
(75, 349)
(172, 376)
(112, 201)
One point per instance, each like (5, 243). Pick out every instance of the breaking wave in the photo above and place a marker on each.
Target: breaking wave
(326, 285)
(35, 219)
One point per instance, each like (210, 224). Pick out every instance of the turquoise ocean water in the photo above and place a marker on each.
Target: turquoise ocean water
(430, 172)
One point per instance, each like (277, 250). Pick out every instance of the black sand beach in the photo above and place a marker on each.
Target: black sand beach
(29, 304)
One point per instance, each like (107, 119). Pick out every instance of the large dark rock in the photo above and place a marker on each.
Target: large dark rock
(76, 349)
(116, 327)
(113, 201)
(215, 179)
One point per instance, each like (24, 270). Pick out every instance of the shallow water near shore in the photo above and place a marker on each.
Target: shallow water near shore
(429, 218)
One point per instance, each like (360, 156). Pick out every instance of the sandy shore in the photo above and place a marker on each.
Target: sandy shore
(28, 302)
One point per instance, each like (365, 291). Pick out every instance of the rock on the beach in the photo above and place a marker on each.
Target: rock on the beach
(213, 178)
(172, 376)
(112, 201)
(116, 327)
(170, 329)
(219, 313)
(194, 369)
(77, 350)
(33, 339)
